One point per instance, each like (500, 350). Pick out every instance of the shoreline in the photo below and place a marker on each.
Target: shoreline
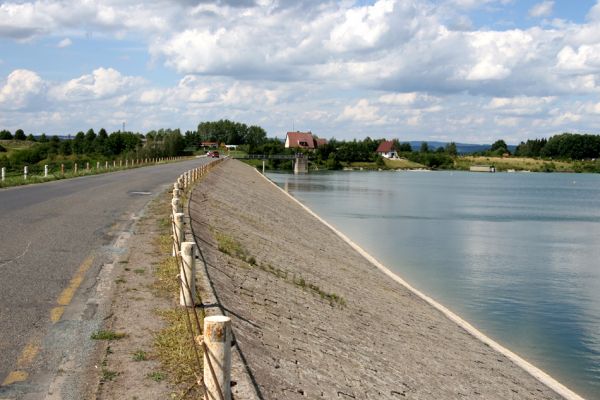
(534, 371)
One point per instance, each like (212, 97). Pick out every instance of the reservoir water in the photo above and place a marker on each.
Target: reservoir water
(515, 254)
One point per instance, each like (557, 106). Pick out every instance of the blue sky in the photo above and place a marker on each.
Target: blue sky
(462, 70)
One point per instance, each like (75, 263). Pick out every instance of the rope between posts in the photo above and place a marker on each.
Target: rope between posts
(187, 178)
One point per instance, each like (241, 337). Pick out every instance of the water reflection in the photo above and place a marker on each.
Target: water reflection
(516, 254)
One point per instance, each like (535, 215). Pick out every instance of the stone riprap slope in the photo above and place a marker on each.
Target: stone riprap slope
(314, 319)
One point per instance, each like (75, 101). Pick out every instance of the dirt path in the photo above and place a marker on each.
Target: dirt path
(314, 319)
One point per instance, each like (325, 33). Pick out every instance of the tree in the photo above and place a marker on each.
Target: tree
(43, 138)
(78, 143)
(405, 147)
(5, 135)
(424, 147)
(20, 135)
(30, 138)
(499, 147)
(451, 149)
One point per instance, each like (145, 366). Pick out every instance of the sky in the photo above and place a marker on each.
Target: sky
(470, 71)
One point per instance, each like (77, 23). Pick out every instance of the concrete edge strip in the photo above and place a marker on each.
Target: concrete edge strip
(534, 371)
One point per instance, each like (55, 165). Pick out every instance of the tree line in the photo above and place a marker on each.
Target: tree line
(564, 146)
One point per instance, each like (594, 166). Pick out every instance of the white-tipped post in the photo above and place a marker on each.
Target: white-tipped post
(187, 274)
(25, 172)
(178, 235)
(105, 164)
(45, 170)
(3, 173)
(217, 357)
(97, 164)
(177, 206)
(176, 193)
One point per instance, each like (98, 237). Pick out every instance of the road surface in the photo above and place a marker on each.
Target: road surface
(56, 239)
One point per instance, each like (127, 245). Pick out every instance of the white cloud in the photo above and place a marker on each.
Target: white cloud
(585, 58)
(21, 89)
(399, 98)
(521, 105)
(66, 42)
(101, 83)
(344, 67)
(362, 111)
(543, 9)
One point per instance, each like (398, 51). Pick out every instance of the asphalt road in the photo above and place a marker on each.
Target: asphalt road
(49, 234)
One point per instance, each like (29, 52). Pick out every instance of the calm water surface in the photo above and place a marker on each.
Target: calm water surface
(517, 255)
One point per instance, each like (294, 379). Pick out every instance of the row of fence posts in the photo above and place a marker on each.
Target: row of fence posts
(134, 162)
(216, 335)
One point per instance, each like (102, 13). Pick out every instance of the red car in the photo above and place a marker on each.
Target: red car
(213, 154)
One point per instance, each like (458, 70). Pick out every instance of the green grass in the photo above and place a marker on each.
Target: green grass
(230, 246)
(402, 163)
(172, 346)
(515, 163)
(140, 355)
(139, 270)
(108, 375)
(156, 376)
(107, 335)
(233, 248)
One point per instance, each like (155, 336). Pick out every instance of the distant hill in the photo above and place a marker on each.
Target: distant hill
(462, 148)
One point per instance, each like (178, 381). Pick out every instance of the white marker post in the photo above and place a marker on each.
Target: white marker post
(45, 170)
(187, 275)
(25, 172)
(177, 206)
(217, 357)
(3, 173)
(178, 234)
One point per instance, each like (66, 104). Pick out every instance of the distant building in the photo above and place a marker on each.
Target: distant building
(386, 149)
(303, 140)
(210, 145)
(482, 168)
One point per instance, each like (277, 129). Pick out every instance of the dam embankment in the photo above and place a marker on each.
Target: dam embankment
(314, 319)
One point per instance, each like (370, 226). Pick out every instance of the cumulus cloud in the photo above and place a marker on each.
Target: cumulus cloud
(341, 65)
(543, 9)
(21, 89)
(101, 83)
(362, 111)
(66, 42)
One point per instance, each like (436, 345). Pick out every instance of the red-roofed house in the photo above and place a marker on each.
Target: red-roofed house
(386, 149)
(299, 140)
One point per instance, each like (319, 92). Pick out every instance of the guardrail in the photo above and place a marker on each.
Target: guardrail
(215, 334)
(39, 173)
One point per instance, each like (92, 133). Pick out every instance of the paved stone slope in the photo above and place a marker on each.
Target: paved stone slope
(376, 340)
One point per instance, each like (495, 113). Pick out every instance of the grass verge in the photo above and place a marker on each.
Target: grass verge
(173, 345)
